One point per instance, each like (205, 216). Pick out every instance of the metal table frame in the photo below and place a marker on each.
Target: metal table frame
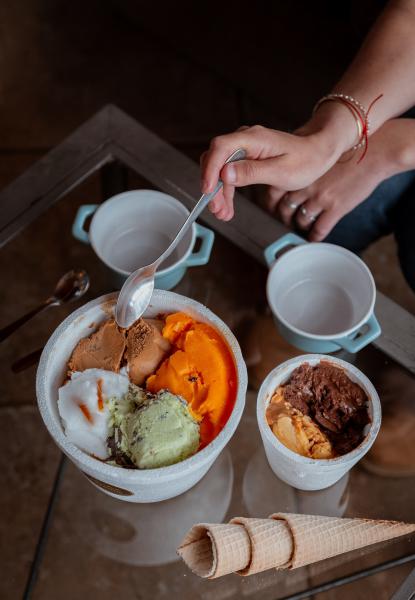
(110, 140)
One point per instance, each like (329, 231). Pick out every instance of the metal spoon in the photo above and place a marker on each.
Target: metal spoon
(136, 292)
(71, 286)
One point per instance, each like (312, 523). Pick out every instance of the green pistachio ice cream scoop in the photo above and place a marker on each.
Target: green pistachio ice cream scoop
(161, 432)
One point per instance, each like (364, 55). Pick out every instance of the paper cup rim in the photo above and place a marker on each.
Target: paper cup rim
(356, 375)
(160, 272)
(317, 336)
(117, 473)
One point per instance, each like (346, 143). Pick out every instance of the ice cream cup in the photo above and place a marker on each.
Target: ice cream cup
(322, 296)
(309, 473)
(130, 230)
(147, 485)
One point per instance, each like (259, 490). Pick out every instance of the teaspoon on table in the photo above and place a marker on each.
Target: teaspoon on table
(71, 286)
(136, 292)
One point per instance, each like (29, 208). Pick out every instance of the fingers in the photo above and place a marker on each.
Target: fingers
(272, 198)
(217, 203)
(227, 210)
(248, 172)
(289, 205)
(308, 213)
(222, 204)
(220, 149)
(323, 225)
(257, 141)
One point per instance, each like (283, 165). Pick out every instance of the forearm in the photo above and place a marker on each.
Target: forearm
(391, 151)
(385, 65)
(396, 139)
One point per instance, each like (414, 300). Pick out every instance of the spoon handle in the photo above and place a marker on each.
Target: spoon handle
(12, 327)
(199, 207)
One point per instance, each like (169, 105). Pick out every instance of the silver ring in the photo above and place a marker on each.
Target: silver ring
(304, 212)
(292, 205)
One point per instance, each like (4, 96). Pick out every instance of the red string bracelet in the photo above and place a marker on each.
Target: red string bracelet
(360, 114)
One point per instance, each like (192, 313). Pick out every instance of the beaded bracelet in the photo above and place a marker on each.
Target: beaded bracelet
(360, 114)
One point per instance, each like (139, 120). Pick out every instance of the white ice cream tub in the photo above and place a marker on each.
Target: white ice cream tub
(147, 485)
(309, 473)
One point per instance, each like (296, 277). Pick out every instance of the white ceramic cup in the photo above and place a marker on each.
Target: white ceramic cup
(322, 296)
(308, 473)
(133, 485)
(132, 229)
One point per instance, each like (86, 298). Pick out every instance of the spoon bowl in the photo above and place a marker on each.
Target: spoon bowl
(135, 294)
(136, 297)
(71, 286)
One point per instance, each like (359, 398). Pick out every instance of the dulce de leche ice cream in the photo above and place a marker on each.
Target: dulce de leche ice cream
(201, 370)
(295, 430)
(103, 349)
(140, 348)
(319, 412)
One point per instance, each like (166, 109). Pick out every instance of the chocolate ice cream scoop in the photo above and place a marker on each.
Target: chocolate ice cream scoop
(325, 393)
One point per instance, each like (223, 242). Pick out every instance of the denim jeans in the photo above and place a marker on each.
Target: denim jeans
(389, 209)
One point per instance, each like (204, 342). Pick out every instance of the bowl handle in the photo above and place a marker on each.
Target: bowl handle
(202, 256)
(290, 239)
(83, 213)
(354, 344)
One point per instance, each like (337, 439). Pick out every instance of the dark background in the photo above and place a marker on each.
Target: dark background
(187, 70)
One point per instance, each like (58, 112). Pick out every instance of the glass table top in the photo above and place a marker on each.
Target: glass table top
(95, 546)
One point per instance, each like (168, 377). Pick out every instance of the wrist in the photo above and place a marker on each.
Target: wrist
(402, 146)
(334, 128)
(394, 146)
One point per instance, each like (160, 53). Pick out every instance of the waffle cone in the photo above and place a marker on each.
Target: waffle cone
(211, 550)
(271, 544)
(316, 538)
(247, 546)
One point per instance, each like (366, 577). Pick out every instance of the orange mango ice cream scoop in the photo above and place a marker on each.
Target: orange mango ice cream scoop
(201, 370)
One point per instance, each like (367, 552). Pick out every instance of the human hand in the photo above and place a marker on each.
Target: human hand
(287, 161)
(319, 206)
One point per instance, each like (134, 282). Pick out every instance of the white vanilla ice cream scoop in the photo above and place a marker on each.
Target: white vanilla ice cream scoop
(84, 406)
